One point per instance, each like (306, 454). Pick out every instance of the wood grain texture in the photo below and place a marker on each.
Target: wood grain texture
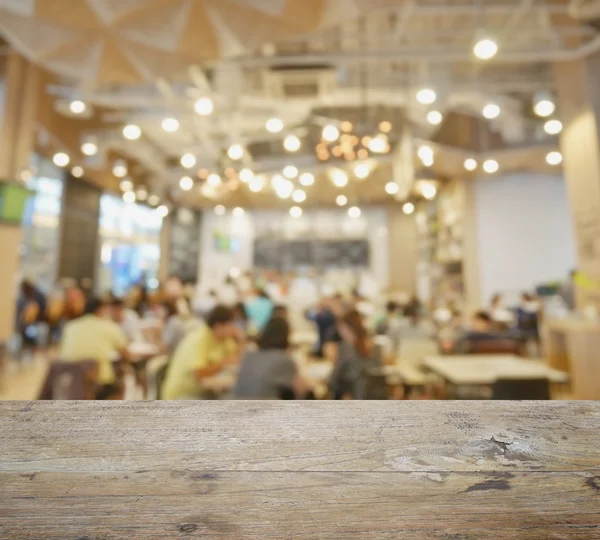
(322, 470)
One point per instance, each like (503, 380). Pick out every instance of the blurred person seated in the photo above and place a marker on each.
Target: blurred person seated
(361, 304)
(270, 372)
(482, 329)
(75, 303)
(203, 353)
(204, 302)
(415, 325)
(348, 379)
(241, 317)
(137, 299)
(94, 336)
(259, 309)
(180, 322)
(55, 312)
(499, 313)
(324, 318)
(31, 311)
(281, 311)
(126, 318)
(528, 314)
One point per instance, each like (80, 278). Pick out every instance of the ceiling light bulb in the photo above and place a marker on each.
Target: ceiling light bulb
(544, 105)
(77, 107)
(339, 178)
(553, 127)
(491, 111)
(126, 185)
(299, 196)
(554, 158)
(491, 166)
(238, 212)
(170, 125)
(362, 170)
(434, 118)
(346, 126)
(120, 168)
(132, 132)
(186, 183)
(485, 49)
(153, 200)
(426, 96)
(391, 188)
(290, 172)
(408, 208)
(385, 126)
(470, 164)
(129, 197)
(354, 212)
(330, 133)
(163, 211)
(89, 149)
(429, 191)
(141, 193)
(236, 152)
(274, 125)
(296, 212)
(284, 189)
(220, 210)
(204, 106)
(307, 179)
(188, 160)
(292, 143)
(246, 175)
(256, 184)
(213, 180)
(77, 172)
(341, 200)
(61, 159)
(378, 144)
(425, 154)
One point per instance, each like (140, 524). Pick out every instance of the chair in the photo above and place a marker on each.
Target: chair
(521, 389)
(413, 352)
(156, 371)
(496, 346)
(70, 380)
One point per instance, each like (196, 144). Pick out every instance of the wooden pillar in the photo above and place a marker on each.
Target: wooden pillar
(19, 93)
(577, 84)
(403, 246)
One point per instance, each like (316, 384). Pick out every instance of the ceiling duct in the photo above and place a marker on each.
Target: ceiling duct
(300, 82)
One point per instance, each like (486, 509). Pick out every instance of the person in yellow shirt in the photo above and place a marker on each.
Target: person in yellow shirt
(203, 353)
(95, 337)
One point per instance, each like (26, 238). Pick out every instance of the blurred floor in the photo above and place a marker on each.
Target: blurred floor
(23, 380)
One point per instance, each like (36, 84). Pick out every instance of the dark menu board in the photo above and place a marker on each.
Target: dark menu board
(277, 253)
(184, 245)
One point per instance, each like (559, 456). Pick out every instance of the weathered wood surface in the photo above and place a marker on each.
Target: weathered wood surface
(320, 470)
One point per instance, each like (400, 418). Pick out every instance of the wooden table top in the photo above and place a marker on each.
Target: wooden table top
(310, 470)
(482, 369)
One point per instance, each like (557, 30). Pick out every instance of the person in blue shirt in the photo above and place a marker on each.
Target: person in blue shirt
(259, 310)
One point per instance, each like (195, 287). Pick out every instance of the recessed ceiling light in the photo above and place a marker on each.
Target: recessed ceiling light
(188, 160)
(491, 166)
(89, 148)
(491, 111)
(290, 172)
(426, 96)
(341, 200)
(307, 179)
(429, 191)
(120, 169)
(163, 211)
(274, 125)
(153, 200)
(61, 159)
(186, 183)
(330, 133)
(170, 125)
(299, 196)
(354, 212)
(236, 152)
(246, 175)
(385, 126)
(544, 104)
(553, 127)
(434, 118)
(256, 184)
(296, 212)
(204, 106)
(238, 212)
(425, 154)
(127, 185)
(132, 132)
(408, 208)
(77, 172)
(77, 107)
(213, 180)
(339, 177)
(391, 188)
(220, 210)
(362, 170)
(485, 48)
(129, 197)
(292, 143)
(284, 189)
(141, 193)
(470, 164)
(554, 158)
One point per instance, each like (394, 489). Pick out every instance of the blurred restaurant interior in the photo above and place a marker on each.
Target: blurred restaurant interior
(299, 199)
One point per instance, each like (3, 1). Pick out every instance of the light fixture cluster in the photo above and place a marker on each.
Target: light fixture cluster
(343, 142)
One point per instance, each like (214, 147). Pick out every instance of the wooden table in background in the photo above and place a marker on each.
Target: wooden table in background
(573, 346)
(310, 470)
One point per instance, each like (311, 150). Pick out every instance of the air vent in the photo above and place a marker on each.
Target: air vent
(285, 82)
